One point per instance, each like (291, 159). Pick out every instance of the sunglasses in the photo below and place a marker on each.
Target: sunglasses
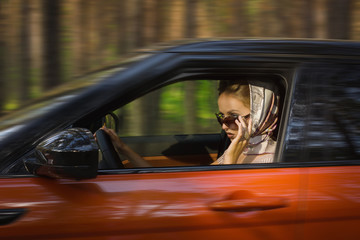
(229, 120)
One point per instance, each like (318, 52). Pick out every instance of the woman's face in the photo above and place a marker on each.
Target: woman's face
(231, 105)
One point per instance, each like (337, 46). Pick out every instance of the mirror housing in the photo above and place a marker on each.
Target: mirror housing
(69, 154)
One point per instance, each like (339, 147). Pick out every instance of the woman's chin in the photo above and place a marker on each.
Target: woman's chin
(231, 136)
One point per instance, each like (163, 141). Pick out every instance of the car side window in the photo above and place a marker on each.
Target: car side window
(325, 117)
(176, 125)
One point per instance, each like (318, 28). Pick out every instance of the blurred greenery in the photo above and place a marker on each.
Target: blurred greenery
(45, 44)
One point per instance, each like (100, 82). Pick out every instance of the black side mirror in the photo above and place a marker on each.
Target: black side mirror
(70, 154)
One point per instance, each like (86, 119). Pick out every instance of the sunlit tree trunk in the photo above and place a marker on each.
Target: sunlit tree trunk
(355, 20)
(51, 38)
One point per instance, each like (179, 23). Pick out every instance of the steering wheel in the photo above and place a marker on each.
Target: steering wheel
(111, 159)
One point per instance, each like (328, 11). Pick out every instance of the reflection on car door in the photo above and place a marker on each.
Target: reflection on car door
(251, 203)
(333, 203)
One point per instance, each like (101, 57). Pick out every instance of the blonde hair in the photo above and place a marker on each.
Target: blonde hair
(237, 88)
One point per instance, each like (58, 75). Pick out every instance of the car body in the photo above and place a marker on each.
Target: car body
(311, 191)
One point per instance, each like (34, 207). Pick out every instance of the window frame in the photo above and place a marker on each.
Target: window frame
(283, 75)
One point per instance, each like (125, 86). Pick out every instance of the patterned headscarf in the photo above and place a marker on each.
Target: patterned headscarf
(264, 107)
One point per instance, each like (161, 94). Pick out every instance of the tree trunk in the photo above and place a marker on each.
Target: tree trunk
(51, 37)
(148, 108)
(2, 56)
(283, 8)
(308, 13)
(190, 18)
(36, 47)
(25, 72)
(190, 87)
(240, 19)
(121, 27)
(139, 24)
(339, 19)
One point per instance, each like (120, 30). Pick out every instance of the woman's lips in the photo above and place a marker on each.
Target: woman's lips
(230, 135)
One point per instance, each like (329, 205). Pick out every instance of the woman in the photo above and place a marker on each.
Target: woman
(248, 115)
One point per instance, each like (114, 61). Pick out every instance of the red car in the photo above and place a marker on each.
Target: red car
(55, 184)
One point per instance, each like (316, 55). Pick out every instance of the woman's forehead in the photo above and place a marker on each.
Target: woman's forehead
(230, 103)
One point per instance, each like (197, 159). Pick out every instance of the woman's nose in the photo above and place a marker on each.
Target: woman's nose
(224, 127)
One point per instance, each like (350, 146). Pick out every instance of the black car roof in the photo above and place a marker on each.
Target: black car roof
(264, 46)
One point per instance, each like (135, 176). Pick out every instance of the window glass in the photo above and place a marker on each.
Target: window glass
(180, 108)
(325, 118)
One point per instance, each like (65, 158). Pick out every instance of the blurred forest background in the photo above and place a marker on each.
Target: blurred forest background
(45, 43)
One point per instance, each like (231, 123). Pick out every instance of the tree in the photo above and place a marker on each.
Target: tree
(339, 19)
(240, 23)
(190, 87)
(2, 56)
(51, 41)
(282, 12)
(25, 72)
(190, 18)
(308, 10)
(121, 26)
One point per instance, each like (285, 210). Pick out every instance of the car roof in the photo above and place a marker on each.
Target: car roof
(263, 46)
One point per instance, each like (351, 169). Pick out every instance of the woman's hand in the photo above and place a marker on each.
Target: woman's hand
(239, 143)
(116, 141)
(135, 159)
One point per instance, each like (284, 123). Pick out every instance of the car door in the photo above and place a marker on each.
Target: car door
(253, 203)
(187, 201)
(324, 123)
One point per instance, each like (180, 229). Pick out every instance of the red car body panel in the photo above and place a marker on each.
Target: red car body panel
(166, 205)
(333, 203)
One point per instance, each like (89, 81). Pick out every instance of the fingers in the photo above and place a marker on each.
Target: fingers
(244, 129)
(112, 134)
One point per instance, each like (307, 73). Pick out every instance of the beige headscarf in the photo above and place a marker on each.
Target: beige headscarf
(264, 107)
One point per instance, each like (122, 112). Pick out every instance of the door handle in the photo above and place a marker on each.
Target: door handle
(8, 216)
(244, 201)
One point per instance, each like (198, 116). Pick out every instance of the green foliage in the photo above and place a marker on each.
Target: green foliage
(206, 100)
(11, 105)
(172, 102)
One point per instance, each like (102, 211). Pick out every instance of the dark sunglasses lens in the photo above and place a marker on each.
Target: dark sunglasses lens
(227, 120)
